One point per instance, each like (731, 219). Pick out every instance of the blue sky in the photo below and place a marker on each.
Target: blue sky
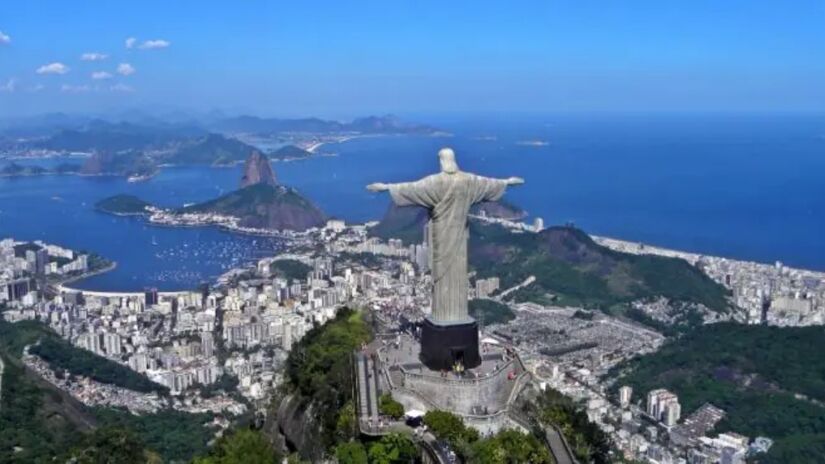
(344, 58)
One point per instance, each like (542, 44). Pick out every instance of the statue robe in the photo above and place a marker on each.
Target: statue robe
(448, 198)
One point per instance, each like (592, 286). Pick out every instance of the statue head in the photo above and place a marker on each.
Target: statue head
(447, 158)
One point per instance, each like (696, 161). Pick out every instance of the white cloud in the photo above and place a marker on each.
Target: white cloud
(130, 42)
(154, 44)
(122, 88)
(36, 88)
(53, 68)
(9, 86)
(74, 88)
(100, 75)
(4, 38)
(125, 69)
(93, 56)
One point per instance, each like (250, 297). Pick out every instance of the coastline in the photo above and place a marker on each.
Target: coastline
(62, 283)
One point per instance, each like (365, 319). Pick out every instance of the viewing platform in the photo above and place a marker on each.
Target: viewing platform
(481, 396)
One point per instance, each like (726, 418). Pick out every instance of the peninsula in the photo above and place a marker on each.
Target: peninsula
(260, 206)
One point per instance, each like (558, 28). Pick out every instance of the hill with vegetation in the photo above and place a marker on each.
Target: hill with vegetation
(571, 269)
(63, 356)
(129, 163)
(769, 380)
(211, 149)
(124, 205)
(264, 206)
(290, 269)
(39, 421)
(290, 152)
(317, 411)
(551, 408)
(490, 311)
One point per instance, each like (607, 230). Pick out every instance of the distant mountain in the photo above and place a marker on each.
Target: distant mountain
(290, 152)
(163, 143)
(387, 124)
(262, 125)
(41, 125)
(257, 170)
(368, 125)
(263, 206)
(407, 222)
(100, 135)
(131, 163)
(212, 149)
(15, 169)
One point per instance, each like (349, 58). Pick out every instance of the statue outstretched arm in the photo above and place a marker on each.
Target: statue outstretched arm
(420, 193)
(378, 187)
(491, 189)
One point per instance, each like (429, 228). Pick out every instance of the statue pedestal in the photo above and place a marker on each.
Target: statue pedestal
(442, 345)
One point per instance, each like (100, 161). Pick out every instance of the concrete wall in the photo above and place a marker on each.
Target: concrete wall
(461, 396)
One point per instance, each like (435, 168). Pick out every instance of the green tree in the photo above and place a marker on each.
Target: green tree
(319, 368)
(510, 446)
(444, 425)
(352, 452)
(390, 407)
(111, 446)
(450, 428)
(346, 427)
(241, 447)
(588, 442)
(392, 449)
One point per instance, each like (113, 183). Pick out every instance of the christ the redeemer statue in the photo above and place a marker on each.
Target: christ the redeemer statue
(448, 196)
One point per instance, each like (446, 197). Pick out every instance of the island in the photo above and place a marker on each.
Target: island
(123, 205)
(289, 153)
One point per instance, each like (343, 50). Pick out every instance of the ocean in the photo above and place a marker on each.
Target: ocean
(745, 187)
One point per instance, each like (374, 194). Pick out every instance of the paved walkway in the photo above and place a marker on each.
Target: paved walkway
(558, 447)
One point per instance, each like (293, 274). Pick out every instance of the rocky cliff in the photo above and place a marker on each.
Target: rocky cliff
(257, 170)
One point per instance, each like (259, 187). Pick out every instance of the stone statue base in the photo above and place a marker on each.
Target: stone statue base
(443, 345)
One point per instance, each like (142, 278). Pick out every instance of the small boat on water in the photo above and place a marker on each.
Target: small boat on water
(533, 143)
